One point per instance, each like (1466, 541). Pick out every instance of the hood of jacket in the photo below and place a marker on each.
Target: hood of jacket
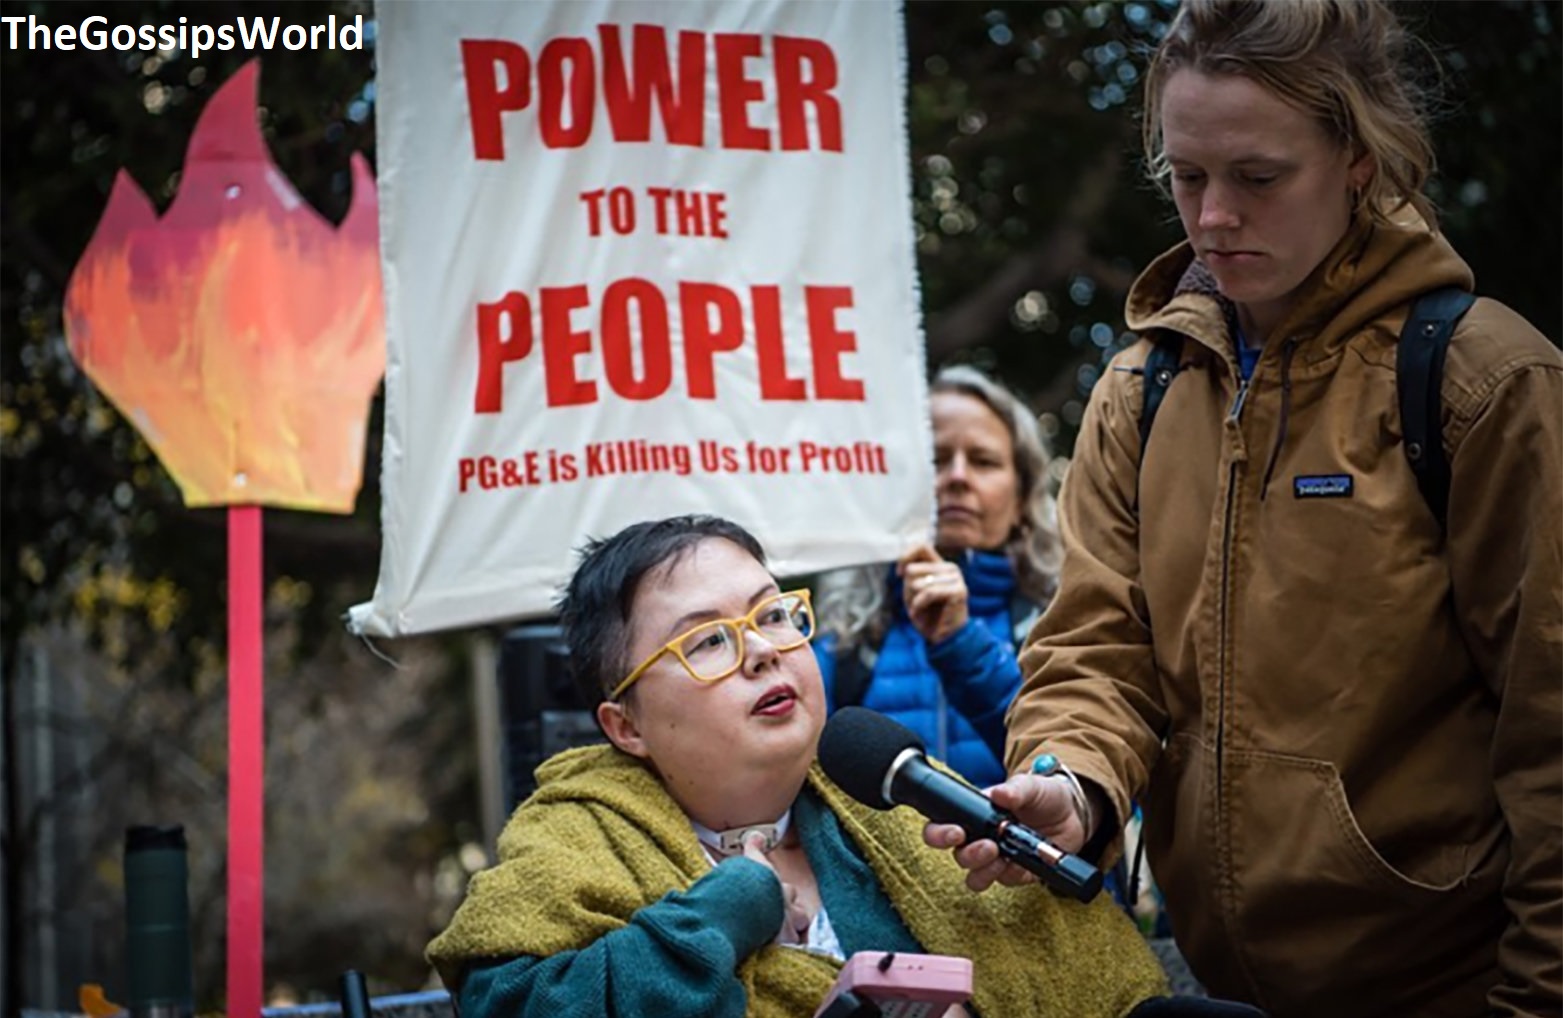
(1372, 271)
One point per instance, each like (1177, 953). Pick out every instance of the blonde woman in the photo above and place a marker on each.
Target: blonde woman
(930, 641)
(1340, 712)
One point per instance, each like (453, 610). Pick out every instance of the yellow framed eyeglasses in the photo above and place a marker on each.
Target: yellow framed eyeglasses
(712, 651)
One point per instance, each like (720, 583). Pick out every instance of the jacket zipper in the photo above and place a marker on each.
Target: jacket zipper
(1238, 400)
(1226, 572)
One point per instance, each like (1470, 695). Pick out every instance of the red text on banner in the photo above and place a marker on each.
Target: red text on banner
(561, 87)
(713, 324)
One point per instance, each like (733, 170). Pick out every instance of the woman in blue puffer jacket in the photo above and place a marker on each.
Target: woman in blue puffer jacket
(930, 640)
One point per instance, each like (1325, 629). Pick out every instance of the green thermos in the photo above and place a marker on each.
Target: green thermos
(157, 923)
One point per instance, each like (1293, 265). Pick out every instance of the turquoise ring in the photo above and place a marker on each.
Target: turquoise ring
(1045, 764)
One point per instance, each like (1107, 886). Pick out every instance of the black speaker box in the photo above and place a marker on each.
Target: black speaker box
(540, 713)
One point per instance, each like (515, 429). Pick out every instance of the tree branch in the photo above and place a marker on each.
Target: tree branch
(1064, 253)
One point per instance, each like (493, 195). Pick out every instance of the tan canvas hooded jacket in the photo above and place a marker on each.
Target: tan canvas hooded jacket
(1357, 810)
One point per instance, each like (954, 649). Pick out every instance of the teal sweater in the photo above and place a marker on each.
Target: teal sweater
(679, 955)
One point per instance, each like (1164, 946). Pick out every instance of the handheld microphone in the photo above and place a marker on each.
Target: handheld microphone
(881, 763)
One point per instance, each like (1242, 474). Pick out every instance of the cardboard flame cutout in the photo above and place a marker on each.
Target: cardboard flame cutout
(241, 333)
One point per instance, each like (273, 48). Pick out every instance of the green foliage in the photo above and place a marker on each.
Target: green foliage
(1032, 217)
(1500, 147)
(1034, 214)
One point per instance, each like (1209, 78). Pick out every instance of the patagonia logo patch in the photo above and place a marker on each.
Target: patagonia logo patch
(1322, 486)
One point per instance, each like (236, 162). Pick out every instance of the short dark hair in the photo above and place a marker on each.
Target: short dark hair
(594, 609)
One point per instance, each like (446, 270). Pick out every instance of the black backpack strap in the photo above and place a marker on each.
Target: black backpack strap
(1023, 614)
(854, 667)
(1419, 375)
(1161, 367)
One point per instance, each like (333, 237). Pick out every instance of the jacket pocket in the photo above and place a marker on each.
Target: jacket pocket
(1301, 803)
(1315, 904)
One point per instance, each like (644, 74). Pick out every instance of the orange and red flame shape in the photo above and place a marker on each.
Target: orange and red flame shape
(241, 332)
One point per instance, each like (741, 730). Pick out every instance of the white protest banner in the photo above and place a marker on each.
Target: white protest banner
(641, 259)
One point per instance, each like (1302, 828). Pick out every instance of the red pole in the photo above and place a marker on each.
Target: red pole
(246, 764)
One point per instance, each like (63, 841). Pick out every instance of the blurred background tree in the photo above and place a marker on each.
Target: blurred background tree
(112, 605)
(1032, 218)
(1034, 214)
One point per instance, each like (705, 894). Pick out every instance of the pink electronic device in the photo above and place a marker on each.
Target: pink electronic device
(904, 985)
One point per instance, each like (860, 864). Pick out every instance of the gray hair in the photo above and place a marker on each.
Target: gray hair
(852, 602)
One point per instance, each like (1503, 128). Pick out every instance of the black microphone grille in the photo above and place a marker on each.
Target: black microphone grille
(857, 749)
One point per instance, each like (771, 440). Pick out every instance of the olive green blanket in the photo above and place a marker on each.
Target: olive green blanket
(601, 839)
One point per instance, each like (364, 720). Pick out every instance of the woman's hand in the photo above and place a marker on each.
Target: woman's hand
(934, 592)
(1044, 804)
(796, 918)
